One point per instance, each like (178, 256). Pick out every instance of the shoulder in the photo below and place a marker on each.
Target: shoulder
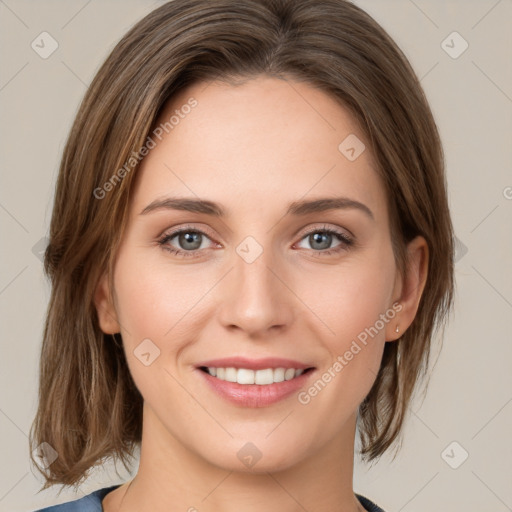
(89, 503)
(368, 505)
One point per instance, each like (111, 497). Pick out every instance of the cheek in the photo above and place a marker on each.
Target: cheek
(350, 299)
(353, 311)
(164, 303)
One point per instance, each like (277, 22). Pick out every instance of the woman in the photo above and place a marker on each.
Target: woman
(250, 251)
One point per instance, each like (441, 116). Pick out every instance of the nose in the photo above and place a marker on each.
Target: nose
(256, 297)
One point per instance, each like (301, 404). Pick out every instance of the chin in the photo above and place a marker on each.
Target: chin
(259, 456)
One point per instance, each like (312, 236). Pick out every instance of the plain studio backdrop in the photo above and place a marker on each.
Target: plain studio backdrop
(457, 450)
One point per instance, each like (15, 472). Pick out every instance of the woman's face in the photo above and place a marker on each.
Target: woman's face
(276, 281)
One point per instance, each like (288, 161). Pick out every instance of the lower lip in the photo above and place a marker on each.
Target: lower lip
(255, 395)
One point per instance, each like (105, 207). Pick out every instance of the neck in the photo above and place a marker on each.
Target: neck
(173, 478)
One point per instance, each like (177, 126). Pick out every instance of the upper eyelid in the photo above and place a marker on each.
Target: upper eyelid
(327, 228)
(175, 231)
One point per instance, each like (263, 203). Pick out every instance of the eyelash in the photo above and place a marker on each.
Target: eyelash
(346, 241)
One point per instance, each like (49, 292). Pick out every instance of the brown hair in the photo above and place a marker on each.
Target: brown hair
(89, 407)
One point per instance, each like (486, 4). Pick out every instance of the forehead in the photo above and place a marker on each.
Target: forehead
(267, 139)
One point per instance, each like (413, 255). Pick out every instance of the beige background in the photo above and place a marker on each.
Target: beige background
(470, 393)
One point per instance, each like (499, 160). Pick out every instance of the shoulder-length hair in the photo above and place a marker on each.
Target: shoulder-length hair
(89, 407)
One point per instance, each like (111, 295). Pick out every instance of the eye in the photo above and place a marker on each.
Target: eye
(189, 242)
(320, 240)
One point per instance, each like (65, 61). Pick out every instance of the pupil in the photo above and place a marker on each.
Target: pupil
(190, 238)
(317, 237)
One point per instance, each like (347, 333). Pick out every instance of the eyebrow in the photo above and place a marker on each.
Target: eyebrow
(303, 207)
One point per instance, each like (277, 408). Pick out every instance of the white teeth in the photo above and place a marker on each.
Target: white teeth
(279, 375)
(244, 376)
(230, 374)
(260, 377)
(289, 374)
(263, 377)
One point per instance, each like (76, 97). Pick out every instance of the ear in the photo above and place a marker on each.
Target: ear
(107, 316)
(408, 291)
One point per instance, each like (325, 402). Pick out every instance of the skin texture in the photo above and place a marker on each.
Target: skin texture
(254, 148)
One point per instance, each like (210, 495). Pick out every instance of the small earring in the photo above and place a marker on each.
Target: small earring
(397, 329)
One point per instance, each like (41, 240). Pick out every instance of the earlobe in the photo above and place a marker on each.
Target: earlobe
(107, 316)
(408, 291)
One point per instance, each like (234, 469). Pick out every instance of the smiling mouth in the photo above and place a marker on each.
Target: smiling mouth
(263, 377)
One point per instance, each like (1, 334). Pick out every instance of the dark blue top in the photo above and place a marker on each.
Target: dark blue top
(92, 503)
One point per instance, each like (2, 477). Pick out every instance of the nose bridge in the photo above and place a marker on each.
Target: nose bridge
(257, 299)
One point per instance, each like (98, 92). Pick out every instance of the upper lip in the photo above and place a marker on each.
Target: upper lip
(254, 364)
